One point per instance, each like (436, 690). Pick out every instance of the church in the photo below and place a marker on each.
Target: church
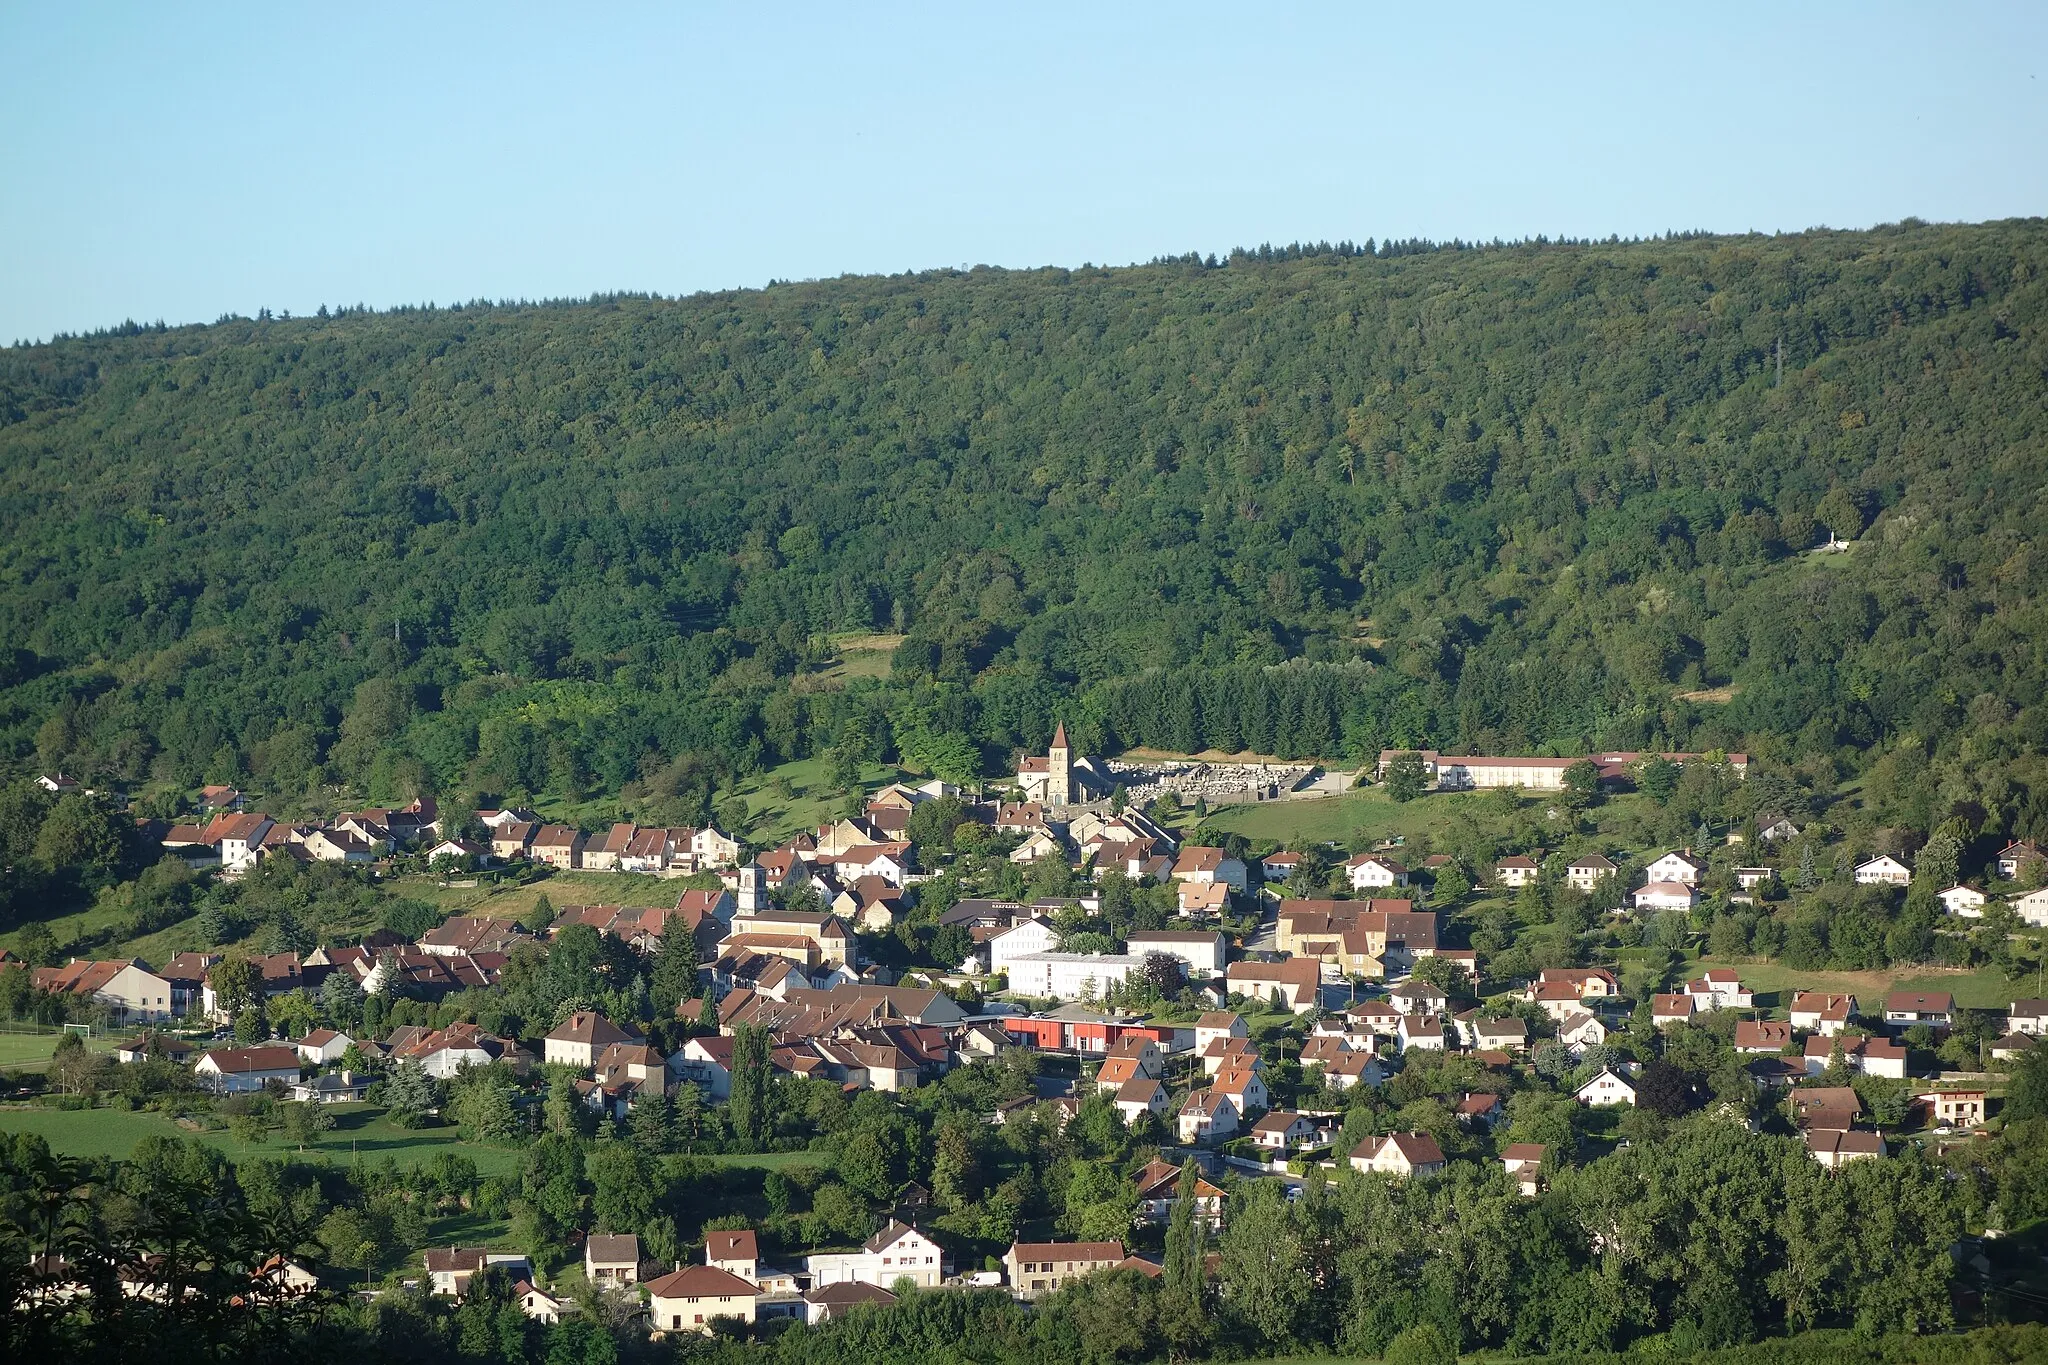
(1059, 779)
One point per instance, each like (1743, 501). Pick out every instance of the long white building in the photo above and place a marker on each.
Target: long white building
(1070, 976)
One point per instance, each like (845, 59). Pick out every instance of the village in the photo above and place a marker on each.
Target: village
(1238, 1036)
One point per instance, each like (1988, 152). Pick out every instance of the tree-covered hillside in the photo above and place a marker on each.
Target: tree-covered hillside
(1513, 497)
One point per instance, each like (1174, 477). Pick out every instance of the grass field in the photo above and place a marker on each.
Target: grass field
(29, 1051)
(1774, 982)
(360, 1131)
(561, 888)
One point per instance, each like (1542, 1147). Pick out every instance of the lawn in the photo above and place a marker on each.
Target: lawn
(361, 1132)
(1774, 982)
(1323, 819)
(796, 797)
(507, 901)
(30, 1051)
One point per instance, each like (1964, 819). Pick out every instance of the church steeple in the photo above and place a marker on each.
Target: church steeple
(1059, 770)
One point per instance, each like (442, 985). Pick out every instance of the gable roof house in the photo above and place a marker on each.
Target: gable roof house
(900, 1251)
(578, 1040)
(1375, 872)
(1904, 1009)
(1821, 1012)
(1401, 1155)
(690, 1298)
(1206, 1117)
(1584, 874)
(557, 846)
(1515, 870)
(1158, 1185)
(1035, 1269)
(127, 986)
(236, 1070)
(1679, 866)
(1666, 895)
(1297, 980)
(2015, 856)
(1883, 870)
(1762, 1035)
(1607, 1088)
(611, 1259)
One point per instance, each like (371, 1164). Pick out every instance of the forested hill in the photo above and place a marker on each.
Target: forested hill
(1511, 497)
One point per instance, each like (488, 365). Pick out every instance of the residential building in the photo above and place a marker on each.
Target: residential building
(611, 1260)
(1883, 870)
(1680, 866)
(1206, 1118)
(1140, 1096)
(1666, 895)
(1672, 1008)
(1296, 981)
(1523, 1161)
(1070, 976)
(898, 1252)
(1836, 1147)
(2032, 908)
(688, 1299)
(1956, 1106)
(234, 1070)
(1202, 955)
(1904, 1009)
(2028, 1017)
(2016, 856)
(1203, 864)
(1607, 1088)
(1870, 1056)
(1516, 870)
(1964, 902)
(1282, 1130)
(578, 1040)
(1036, 1269)
(1375, 872)
(1023, 938)
(450, 1269)
(127, 986)
(1821, 1012)
(1584, 874)
(1400, 1155)
(1720, 989)
(322, 1046)
(832, 1301)
(1762, 1035)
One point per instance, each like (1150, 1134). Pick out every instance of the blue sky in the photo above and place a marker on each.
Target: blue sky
(180, 161)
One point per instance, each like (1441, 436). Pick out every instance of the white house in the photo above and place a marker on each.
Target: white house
(897, 1252)
(1218, 1024)
(1821, 1012)
(323, 1045)
(1606, 1089)
(1204, 863)
(706, 1063)
(1515, 870)
(1399, 1154)
(1678, 866)
(1374, 872)
(1720, 989)
(1666, 895)
(1584, 874)
(1581, 1031)
(2032, 908)
(233, 1070)
(687, 1300)
(1965, 902)
(1883, 870)
(1206, 1117)
(2029, 1017)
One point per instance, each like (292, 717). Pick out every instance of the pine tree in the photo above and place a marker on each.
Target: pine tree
(748, 1107)
(651, 1124)
(707, 1017)
(675, 969)
(1808, 878)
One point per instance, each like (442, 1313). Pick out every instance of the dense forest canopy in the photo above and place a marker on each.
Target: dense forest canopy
(1309, 502)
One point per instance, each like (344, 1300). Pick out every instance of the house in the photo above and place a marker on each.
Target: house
(1375, 872)
(235, 1070)
(321, 1046)
(1679, 866)
(1772, 828)
(1399, 1154)
(58, 785)
(537, 1303)
(686, 1300)
(1204, 864)
(147, 1045)
(1821, 1012)
(450, 1269)
(1200, 901)
(1140, 1096)
(1282, 1130)
(1158, 1186)
(2032, 908)
(1955, 1106)
(127, 986)
(1346, 1069)
(1671, 1008)
(1750, 878)
(332, 1088)
(1587, 983)
(1904, 1009)
(1826, 1107)
(456, 850)
(1515, 870)
(1036, 1269)
(578, 1040)
(898, 1252)
(1720, 989)
(1481, 1111)
(1201, 955)
(1206, 1117)
(468, 935)
(1523, 1161)
(1424, 1031)
(1666, 895)
(2015, 857)
(611, 1260)
(706, 1063)
(2029, 1017)
(1243, 1087)
(1835, 1147)
(1500, 1035)
(1762, 1035)
(216, 797)
(1964, 902)
(1278, 867)
(1584, 874)
(1217, 1024)
(1417, 997)
(1607, 1088)
(1296, 982)
(1117, 1072)
(1870, 1056)
(1883, 870)
(1581, 1031)
(556, 845)
(832, 1301)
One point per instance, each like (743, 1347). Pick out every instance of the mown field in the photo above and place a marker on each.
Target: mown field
(361, 1132)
